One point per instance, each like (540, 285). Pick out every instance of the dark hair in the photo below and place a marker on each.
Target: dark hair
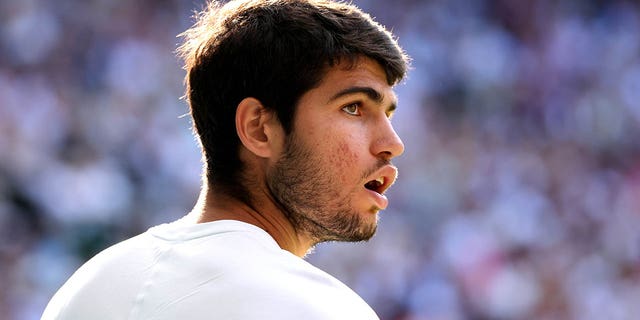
(274, 51)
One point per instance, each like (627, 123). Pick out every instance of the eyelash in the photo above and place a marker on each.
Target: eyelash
(355, 113)
(358, 106)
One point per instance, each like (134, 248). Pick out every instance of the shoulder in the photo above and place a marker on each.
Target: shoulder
(262, 291)
(283, 286)
(244, 276)
(103, 286)
(226, 274)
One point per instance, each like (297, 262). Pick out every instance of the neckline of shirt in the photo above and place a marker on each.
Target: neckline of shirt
(182, 231)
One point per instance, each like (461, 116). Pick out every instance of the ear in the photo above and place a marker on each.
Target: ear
(258, 128)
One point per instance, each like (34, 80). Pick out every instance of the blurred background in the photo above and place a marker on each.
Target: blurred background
(518, 195)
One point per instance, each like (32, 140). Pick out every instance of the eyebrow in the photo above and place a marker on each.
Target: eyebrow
(371, 93)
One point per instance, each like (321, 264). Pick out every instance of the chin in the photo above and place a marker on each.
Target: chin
(365, 232)
(374, 210)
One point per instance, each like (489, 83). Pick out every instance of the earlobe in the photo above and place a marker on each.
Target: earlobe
(254, 127)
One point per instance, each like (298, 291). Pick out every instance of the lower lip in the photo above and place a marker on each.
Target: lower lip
(380, 200)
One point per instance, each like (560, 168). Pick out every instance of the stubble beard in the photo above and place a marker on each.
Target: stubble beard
(308, 195)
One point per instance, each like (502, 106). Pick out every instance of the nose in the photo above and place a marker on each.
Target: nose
(386, 144)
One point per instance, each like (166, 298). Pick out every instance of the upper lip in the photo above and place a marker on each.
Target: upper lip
(388, 174)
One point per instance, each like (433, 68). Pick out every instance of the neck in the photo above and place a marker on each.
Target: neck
(215, 205)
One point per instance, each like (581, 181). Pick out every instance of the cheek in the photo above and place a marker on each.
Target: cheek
(345, 161)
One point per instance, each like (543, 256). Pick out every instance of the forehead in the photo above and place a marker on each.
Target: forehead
(364, 73)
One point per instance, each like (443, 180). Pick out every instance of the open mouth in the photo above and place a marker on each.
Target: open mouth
(384, 178)
(376, 185)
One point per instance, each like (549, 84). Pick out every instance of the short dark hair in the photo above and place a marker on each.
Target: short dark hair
(274, 51)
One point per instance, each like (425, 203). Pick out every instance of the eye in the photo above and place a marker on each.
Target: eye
(352, 109)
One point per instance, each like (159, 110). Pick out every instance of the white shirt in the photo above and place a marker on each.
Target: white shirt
(217, 270)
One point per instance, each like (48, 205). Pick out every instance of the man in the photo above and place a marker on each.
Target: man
(291, 102)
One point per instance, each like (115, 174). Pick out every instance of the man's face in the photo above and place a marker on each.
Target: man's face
(335, 166)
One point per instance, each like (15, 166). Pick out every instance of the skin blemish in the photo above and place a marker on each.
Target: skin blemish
(344, 158)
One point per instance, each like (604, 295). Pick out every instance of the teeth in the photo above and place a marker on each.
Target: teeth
(380, 180)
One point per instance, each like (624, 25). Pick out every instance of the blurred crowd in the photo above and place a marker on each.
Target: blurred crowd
(519, 190)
